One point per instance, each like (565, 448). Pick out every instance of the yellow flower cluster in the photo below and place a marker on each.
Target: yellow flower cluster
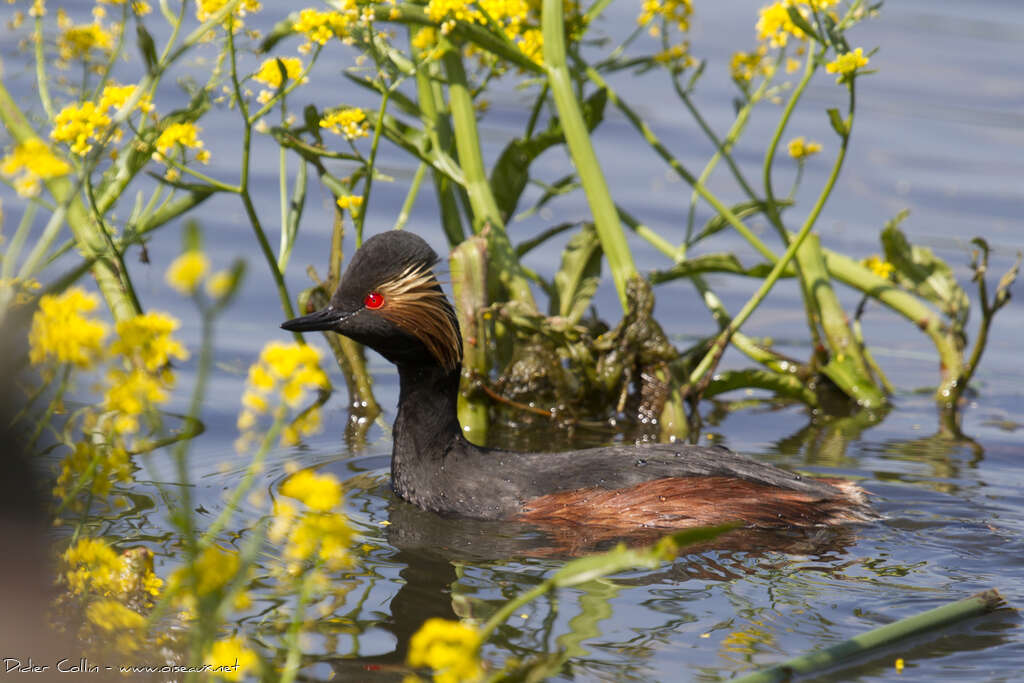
(78, 125)
(81, 124)
(227, 653)
(350, 122)
(187, 272)
(292, 370)
(32, 161)
(78, 41)
(450, 648)
(131, 393)
(746, 65)
(207, 8)
(139, 7)
(674, 12)
(800, 148)
(351, 202)
(62, 333)
(879, 266)
(269, 72)
(93, 469)
(146, 339)
(510, 16)
(319, 27)
(92, 567)
(847, 64)
(320, 534)
(425, 41)
(185, 134)
(775, 26)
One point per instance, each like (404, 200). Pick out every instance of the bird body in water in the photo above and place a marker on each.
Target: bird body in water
(390, 300)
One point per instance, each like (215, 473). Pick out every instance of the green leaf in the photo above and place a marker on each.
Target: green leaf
(191, 237)
(511, 173)
(281, 30)
(838, 124)
(526, 246)
(577, 279)
(922, 272)
(708, 263)
(147, 47)
(741, 210)
(802, 23)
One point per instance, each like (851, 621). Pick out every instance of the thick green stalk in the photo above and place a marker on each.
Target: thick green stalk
(481, 198)
(883, 636)
(438, 130)
(851, 273)
(846, 365)
(468, 268)
(606, 218)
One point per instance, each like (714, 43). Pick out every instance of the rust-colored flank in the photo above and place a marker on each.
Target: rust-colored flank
(675, 503)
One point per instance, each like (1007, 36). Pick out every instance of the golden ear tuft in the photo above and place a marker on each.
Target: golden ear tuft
(415, 302)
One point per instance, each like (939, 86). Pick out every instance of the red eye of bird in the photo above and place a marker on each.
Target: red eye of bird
(374, 300)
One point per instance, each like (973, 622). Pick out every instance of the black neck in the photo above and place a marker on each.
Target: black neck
(427, 424)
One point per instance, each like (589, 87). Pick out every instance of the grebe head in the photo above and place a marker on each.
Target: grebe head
(390, 300)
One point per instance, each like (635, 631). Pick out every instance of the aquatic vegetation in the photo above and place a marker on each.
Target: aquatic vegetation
(114, 150)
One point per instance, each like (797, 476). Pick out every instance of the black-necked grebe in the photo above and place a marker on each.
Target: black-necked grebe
(390, 300)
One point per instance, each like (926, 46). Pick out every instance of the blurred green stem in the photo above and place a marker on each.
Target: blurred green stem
(481, 199)
(577, 138)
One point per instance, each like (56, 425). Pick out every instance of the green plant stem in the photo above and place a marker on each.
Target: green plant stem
(577, 137)
(410, 196)
(243, 188)
(883, 636)
(771, 208)
(718, 347)
(481, 198)
(293, 658)
(438, 131)
(676, 166)
(360, 216)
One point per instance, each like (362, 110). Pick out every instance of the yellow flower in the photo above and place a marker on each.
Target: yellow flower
(139, 7)
(147, 337)
(114, 97)
(320, 492)
(531, 42)
(213, 569)
(111, 615)
(775, 26)
(323, 537)
(459, 10)
(233, 658)
(351, 202)
(78, 124)
(799, 148)
(207, 8)
(847, 64)
(131, 394)
(77, 41)
(350, 122)
(185, 134)
(878, 266)
(102, 466)
(676, 54)
(32, 161)
(187, 271)
(745, 65)
(269, 72)
(219, 284)
(675, 12)
(62, 334)
(449, 648)
(319, 27)
(92, 566)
